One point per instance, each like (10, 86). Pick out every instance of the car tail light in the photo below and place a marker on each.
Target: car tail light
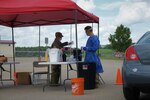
(131, 54)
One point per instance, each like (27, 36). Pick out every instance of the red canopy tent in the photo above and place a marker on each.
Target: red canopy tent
(20, 13)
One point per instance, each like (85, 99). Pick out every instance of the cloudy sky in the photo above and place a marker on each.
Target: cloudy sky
(134, 14)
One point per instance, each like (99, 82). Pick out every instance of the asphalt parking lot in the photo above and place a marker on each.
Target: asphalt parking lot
(108, 91)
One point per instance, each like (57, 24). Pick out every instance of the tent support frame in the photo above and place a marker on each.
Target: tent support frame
(13, 44)
(76, 28)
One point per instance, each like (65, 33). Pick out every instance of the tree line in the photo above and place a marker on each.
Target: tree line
(42, 48)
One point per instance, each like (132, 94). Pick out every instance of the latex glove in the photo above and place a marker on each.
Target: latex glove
(66, 48)
(70, 43)
(84, 48)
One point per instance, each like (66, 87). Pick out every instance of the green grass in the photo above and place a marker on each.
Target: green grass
(106, 51)
(108, 54)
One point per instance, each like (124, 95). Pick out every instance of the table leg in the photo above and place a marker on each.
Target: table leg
(60, 75)
(10, 72)
(1, 74)
(71, 69)
(48, 77)
(64, 83)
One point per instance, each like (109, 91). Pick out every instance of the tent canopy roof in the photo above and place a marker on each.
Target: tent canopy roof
(19, 13)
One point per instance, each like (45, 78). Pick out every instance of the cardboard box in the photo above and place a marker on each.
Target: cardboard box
(3, 58)
(23, 78)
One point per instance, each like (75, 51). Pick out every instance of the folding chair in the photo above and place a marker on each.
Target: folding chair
(36, 67)
(101, 81)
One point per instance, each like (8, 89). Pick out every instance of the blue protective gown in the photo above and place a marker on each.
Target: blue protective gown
(92, 46)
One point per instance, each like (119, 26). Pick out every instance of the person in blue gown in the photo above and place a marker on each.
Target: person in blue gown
(91, 47)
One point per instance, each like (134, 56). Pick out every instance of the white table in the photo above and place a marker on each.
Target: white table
(60, 63)
(10, 70)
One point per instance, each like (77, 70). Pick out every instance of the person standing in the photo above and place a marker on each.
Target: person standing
(56, 69)
(91, 47)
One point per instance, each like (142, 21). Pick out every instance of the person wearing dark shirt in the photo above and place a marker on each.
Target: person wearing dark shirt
(56, 69)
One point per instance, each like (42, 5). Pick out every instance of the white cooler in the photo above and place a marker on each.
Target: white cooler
(55, 55)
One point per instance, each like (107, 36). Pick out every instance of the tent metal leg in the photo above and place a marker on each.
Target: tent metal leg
(14, 60)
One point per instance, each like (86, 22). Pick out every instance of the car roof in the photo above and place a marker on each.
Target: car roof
(147, 33)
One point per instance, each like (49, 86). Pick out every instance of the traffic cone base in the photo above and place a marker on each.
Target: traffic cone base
(119, 77)
(15, 79)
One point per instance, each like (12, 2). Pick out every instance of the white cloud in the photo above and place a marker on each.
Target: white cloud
(86, 4)
(140, 0)
(29, 36)
(110, 6)
(5, 33)
(133, 12)
(105, 32)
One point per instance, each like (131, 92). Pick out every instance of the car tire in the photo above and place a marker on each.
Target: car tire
(131, 93)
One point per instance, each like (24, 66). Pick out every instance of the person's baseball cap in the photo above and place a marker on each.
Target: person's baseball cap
(58, 34)
(88, 28)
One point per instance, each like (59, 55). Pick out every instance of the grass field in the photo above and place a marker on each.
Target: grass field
(106, 51)
(108, 54)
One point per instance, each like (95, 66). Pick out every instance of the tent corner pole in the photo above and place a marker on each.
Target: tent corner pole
(39, 57)
(13, 44)
(76, 21)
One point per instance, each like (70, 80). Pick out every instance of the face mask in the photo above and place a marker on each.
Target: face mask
(60, 39)
(86, 32)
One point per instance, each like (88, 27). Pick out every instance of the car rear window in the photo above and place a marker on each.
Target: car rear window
(145, 39)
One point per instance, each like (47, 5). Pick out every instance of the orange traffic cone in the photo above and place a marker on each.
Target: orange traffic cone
(119, 77)
(15, 79)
